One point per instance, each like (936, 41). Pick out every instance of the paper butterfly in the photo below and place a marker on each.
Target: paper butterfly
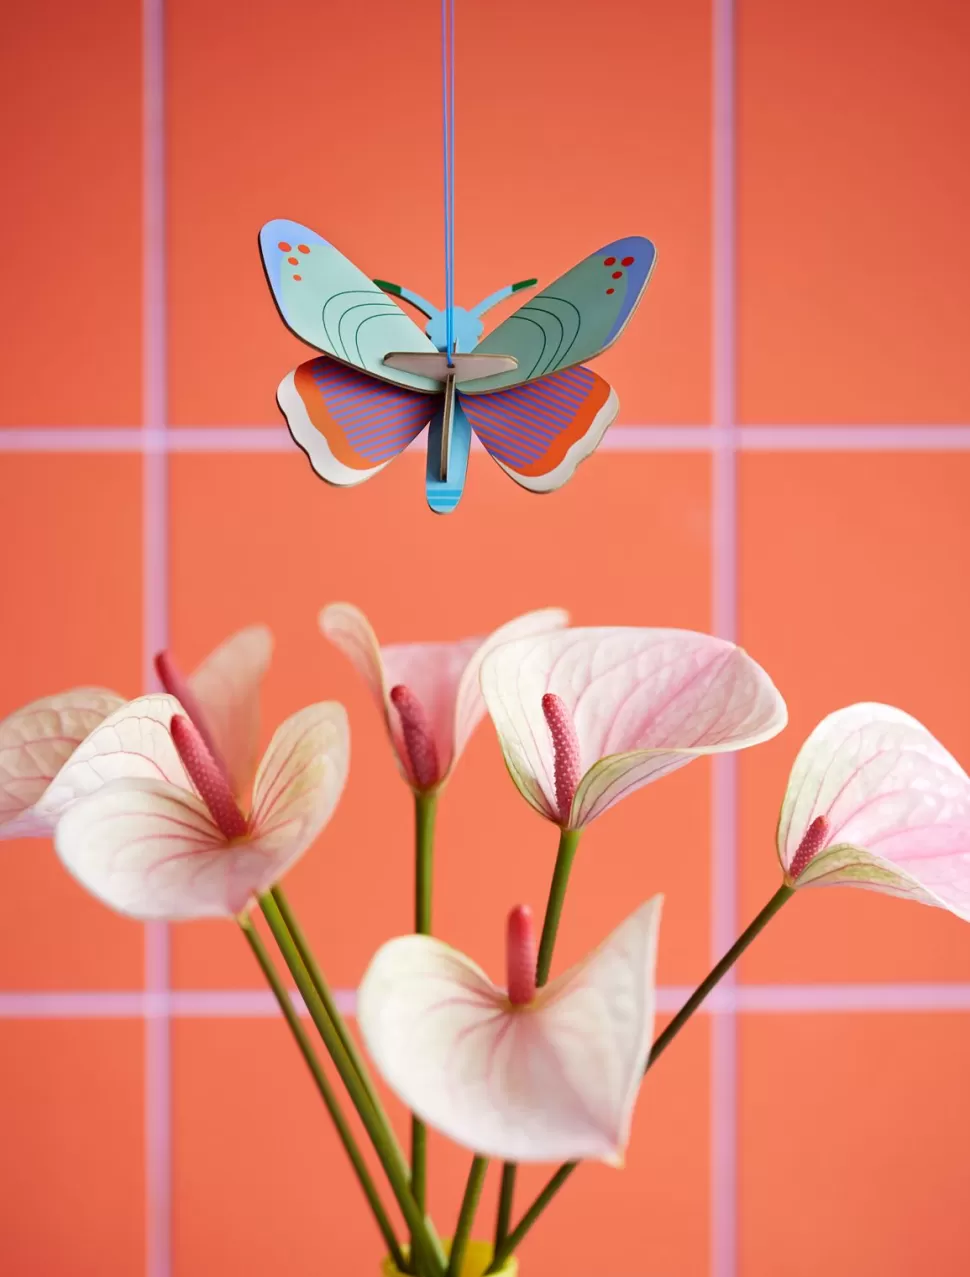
(381, 380)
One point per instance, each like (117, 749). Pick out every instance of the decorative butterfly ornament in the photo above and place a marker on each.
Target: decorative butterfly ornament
(380, 380)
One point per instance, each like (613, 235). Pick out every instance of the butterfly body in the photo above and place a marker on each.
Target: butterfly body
(380, 380)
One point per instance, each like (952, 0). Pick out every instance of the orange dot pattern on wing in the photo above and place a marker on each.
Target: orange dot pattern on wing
(283, 246)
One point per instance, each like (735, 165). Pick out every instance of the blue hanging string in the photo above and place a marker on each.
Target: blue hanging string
(448, 137)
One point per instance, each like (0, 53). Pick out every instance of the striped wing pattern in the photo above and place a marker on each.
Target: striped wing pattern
(350, 425)
(539, 432)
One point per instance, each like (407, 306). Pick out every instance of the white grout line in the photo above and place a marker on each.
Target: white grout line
(255, 1004)
(854, 438)
(724, 573)
(153, 441)
(624, 439)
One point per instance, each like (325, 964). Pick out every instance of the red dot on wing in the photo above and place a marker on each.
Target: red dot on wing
(610, 290)
(617, 274)
(608, 261)
(297, 276)
(294, 261)
(627, 261)
(305, 248)
(283, 246)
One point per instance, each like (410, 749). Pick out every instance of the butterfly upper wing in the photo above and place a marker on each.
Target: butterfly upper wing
(332, 305)
(540, 432)
(349, 425)
(572, 320)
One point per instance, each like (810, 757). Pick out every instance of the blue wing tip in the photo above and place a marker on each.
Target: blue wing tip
(285, 228)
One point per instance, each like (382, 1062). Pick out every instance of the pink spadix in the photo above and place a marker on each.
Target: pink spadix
(177, 685)
(809, 847)
(208, 778)
(565, 744)
(418, 738)
(520, 956)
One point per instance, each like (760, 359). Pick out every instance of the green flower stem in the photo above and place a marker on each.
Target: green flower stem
(325, 995)
(323, 1086)
(425, 808)
(660, 1045)
(466, 1216)
(568, 842)
(719, 972)
(375, 1122)
(506, 1194)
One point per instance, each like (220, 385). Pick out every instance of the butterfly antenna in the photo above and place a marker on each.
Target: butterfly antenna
(406, 294)
(500, 295)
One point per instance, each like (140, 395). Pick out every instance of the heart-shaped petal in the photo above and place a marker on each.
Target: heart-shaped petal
(35, 743)
(151, 850)
(896, 806)
(133, 742)
(444, 677)
(227, 686)
(298, 785)
(553, 1080)
(642, 701)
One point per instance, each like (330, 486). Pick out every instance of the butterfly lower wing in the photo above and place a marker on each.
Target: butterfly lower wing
(349, 425)
(325, 300)
(574, 319)
(540, 432)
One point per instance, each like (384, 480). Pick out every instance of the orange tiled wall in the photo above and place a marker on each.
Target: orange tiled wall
(791, 464)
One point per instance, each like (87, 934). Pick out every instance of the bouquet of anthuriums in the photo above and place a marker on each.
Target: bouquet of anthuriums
(156, 805)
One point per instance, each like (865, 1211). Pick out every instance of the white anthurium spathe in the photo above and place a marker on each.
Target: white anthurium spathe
(587, 716)
(221, 696)
(36, 744)
(874, 800)
(429, 693)
(38, 741)
(163, 848)
(133, 742)
(517, 1073)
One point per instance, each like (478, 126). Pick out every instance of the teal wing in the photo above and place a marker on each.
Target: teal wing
(332, 305)
(574, 319)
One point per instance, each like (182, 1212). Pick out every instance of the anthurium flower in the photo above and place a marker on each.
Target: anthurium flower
(428, 692)
(134, 741)
(874, 800)
(35, 743)
(38, 740)
(587, 716)
(222, 698)
(522, 1074)
(154, 848)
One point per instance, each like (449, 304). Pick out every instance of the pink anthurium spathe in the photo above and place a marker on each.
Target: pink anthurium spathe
(158, 849)
(221, 697)
(428, 692)
(35, 744)
(517, 1073)
(587, 716)
(874, 800)
(37, 741)
(134, 742)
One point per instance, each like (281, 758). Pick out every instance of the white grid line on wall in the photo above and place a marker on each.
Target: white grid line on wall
(158, 1047)
(724, 559)
(753, 999)
(623, 439)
